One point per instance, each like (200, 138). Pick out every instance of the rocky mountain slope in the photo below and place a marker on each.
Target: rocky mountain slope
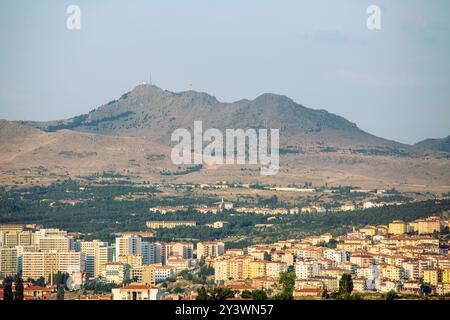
(442, 145)
(148, 111)
(129, 138)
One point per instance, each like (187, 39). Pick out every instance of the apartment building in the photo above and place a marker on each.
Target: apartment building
(446, 275)
(432, 276)
(274, 269)
(41, 264)
(8, 262)
(429, 225)
(391, 272)
(97, 254)
(151, 253)
(169, 224)
(11, 238)
(55, 243)
(210, 249)
(129, 244)
(133, 260)
(116, 272)
(305, 269)
(398, 227)
(179, 264)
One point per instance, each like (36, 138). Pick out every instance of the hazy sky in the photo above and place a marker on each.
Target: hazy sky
(394, 82)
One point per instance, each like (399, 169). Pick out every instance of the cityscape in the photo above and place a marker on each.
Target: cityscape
(397, 260)
(224, 159)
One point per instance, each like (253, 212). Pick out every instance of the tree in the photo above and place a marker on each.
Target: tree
(391, 295)
(178, 289)
(61, 280)
(18, 294)
(214, 294)
(246, 294)
(346, 284)
(259, 294)
(60, 292)
(425, 290)
(267, 256)
(221, 294)
(38, 282)
(7, 289)
(287, 282)
(202, 294)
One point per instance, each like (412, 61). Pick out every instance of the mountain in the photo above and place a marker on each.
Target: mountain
(129, 138)
(148, 111)
(435, 144)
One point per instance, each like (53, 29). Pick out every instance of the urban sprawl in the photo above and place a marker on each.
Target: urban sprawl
(401, 259)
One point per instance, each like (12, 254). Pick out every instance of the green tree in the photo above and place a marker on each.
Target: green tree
(259, 294)
(391, 295)
(178, 289)
(246, 294)
(202, 294)
(346, 284)
(18, 294)
(61, 280)
(287, 282)
(214, 293)
(38, 282)
(60, 292)
(221, 293)
(267, 256)
(7, 289)
(425, 290)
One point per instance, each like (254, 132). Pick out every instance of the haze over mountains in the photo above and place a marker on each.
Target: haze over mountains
(130, 136)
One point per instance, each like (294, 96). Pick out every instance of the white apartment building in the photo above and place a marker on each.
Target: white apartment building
(410, 270)
(335, 255)
(163, 273)
(305, 269)
(47, 233)
(54, 243)
(41, 264)
(116, 272)
(273, 269)
(372, 274)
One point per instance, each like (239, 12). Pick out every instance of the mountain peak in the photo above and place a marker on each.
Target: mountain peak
(149, 111)
(145, 89)
(270, 98)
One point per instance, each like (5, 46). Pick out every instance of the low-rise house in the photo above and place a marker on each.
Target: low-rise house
(137, 292)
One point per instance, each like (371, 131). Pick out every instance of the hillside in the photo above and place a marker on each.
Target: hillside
(129, 138)
(435, 144)
(148, 111)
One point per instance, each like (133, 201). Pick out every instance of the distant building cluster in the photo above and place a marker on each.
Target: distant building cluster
(401, 257)
(35, 252)
(307, 209)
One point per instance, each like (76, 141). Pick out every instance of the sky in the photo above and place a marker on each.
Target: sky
(393, 82)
